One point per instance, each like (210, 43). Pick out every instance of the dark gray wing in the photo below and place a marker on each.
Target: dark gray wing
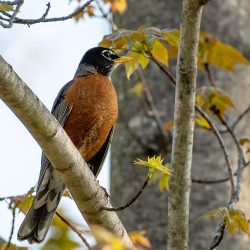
(61, 111)
(98, 160)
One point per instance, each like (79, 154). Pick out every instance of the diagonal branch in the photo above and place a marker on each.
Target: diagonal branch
(43, 19)
(63, 155)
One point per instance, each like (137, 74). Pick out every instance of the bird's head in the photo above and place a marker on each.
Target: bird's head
(104, 60)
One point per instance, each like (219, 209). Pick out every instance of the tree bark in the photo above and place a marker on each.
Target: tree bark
(61, 152)
(181, 161)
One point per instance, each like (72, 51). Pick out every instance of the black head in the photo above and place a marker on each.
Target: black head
(102, 59)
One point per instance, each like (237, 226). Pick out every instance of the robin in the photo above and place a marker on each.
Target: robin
(87, 109)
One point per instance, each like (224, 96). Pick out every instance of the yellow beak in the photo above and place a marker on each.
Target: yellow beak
(123, 59)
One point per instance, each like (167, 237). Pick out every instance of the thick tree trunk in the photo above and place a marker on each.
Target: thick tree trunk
(229, 24)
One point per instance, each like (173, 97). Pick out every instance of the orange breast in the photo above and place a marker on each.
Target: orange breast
(94, 113)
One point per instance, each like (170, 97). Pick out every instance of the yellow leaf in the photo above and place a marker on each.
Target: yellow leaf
(23, 203)
(104, 236)
(90, 10)
(139, 239)
(154, 163)
(169, 125)
(67, 194)
(12, 247)
(243, 141)
(215, 52)
(6, 7)
(117, 5)
(160, 52)
(218, 213)
(137, 89)
(201, 121)
(164, 182)
(234, 219)
(213, 100)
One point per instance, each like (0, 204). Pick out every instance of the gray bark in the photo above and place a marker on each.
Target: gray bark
(61, 152)
(181, 160)
(230, 23)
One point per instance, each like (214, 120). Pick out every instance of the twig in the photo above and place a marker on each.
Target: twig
(240, 117)
(209, 75)
(131, 201)
(18, 3)
(163, 68)
(74, 229)
(218, 236)
(12, 228)
(46, 11)
(46, 20)
(241, 159)
(222, 145)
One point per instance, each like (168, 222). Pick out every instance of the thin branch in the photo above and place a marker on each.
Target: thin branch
(209, 75)
(74, 229)
(240, 117)
(19, 3)
(12, 228)
(241, 159)
(163, 68)
(46, 20)
(218, 236)
(222, 145)
(131, 201)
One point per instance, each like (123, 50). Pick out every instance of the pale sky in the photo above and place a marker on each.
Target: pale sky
(45, 56)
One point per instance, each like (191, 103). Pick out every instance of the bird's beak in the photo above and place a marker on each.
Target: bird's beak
(123, 59)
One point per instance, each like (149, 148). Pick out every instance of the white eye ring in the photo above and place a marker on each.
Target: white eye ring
(107, 54)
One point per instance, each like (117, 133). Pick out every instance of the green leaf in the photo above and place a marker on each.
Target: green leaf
(132, 66)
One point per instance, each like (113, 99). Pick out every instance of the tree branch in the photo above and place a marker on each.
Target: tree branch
(61, 152)
(43, 19)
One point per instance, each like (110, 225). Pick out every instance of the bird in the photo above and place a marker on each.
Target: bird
(87, 109)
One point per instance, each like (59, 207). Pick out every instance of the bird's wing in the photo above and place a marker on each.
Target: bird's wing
(61, 111)
(97, 161)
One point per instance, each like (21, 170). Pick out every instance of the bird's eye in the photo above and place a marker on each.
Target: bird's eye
(106, 54)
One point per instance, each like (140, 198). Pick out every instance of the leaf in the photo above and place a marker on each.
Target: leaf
(6, 7)
(133, 65)
(215, 52)
(201, 121)
(23, 202)
(218, 213)
(137, 89)
(119, 6)
(140, 240)
(164, 182)
(234, 219)
(243, 141)
(169, 125)
(154, 163)
(213, 100)
(104, 236)
(12, 247)
(160, 52)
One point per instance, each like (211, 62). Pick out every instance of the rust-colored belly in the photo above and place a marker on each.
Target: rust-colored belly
(93, 115)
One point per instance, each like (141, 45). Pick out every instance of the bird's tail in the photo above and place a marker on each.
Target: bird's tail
(37, 222)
